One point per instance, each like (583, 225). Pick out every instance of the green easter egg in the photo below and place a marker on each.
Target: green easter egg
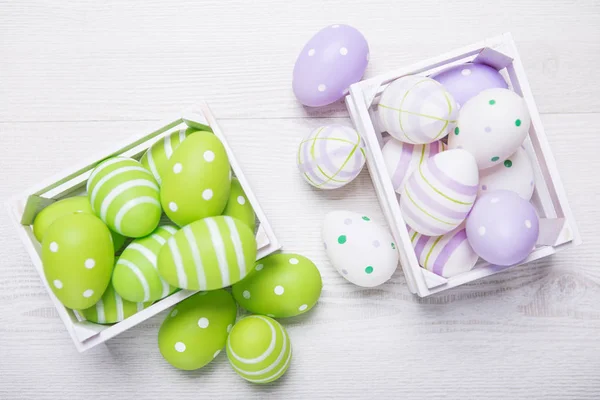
(238, 205)
(212, 253)
(136, 276)
(259, 349)
(78, 258)
(125, 196)
(281, 285)
(156, 157)
(196, 183)
(70, 205)
(195, 331)
(111, 308)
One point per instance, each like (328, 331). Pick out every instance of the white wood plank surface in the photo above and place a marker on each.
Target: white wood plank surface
(76, 75)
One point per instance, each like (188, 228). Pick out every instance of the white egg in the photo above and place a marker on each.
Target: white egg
(491, 126)
(362, 251)
(515, 174)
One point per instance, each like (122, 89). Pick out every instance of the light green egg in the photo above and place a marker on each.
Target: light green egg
(281, 285)
(197, 181)
(111, 308)
(238, 205)
(259, 349)
(78, 259)
(70, 205)
(125, 196)
(209, 254)
(136, 276)
(195, 331)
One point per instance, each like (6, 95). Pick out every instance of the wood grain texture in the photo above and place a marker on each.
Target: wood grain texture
(76, 76)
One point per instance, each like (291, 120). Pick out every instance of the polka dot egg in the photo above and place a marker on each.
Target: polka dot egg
(111, 308)
(78, 257)
(281, 285)
(515, 174)
(238, 205)
(197, 182)
(362, 251)
(259, 349)
(195, 331)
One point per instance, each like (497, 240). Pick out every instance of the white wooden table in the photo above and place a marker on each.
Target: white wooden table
(75, 76)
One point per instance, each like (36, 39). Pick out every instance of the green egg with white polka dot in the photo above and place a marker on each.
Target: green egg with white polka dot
(136, 276)
(259, 349)
(70, 205)
(111, 308)
(197, 182)
(281, 285)
(125, 196)
(208, 254)
(238, 205)
(195, 331)
(78, 259)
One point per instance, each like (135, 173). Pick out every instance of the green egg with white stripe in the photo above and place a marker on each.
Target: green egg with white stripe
(259, 349)
(136, 276)
(208, 254)
(197, 182)
(125, 196)
(238, 205)
(111, 308)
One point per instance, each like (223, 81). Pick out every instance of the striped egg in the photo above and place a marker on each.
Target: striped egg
(447, 255)
(111, 308)
(208, 254)
(125, 196)
(331, 156)
(440, 193)
(259, 349)
(401, 159)
(136, 276)
(238, 205)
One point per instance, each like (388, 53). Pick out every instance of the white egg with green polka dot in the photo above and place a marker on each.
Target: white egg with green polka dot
(514, 174)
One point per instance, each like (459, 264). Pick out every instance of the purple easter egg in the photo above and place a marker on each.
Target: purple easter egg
(332, 60)
(502, 228)
(468, 80)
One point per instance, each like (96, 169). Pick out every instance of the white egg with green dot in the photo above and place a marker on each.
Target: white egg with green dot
(112, 308)
(514, 174)
(362, 251)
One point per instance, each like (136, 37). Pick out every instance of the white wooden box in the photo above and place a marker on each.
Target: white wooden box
(558, 229)
(24, 207)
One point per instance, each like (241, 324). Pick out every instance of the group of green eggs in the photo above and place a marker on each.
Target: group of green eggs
(208, 244)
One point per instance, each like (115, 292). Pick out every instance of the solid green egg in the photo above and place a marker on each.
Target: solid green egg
(111, 308)
(238, 205)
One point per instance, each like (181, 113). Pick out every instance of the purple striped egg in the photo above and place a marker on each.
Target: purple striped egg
(440, 192)
(401, 159)
(331, 156)
(447, 255)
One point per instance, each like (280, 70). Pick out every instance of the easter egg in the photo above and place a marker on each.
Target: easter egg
(331, 156)
(69, 205)
(491, 126)
(401, 159)
(197, 181)
(362, 251)
(440, 193)
(238, 205)
(466, 81)
(281, 285)
(125, 196)
(111, 308)
(78, 257)
(332, 60)
(502, 228)
(208, 254)
(195, 331)
(259, 349)
(447, 255)
(156, 157)
(514, 174)
(416, 109)
(136, 276)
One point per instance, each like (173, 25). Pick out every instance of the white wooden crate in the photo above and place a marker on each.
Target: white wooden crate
(24, 207)
(558, 229)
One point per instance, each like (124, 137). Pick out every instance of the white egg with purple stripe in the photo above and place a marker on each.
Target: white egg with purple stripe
(331, 156)
(515, 174)
(440, 193)
(401, 159)
(447, 255)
